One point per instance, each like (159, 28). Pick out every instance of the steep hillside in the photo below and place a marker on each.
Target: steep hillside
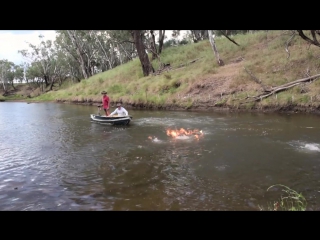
(195, 81)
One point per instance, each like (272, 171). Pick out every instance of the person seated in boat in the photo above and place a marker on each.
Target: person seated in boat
(120, 111)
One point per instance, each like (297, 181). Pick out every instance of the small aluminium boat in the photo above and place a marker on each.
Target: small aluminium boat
(113, 120)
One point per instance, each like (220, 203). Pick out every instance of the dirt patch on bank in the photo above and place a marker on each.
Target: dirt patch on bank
(215, 87)
(22, 91)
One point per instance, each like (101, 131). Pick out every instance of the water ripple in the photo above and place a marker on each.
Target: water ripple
(56, 159)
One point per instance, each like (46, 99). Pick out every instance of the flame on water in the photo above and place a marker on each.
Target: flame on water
(183, 132)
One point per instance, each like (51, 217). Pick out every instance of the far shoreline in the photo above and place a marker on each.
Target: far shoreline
(290, 109)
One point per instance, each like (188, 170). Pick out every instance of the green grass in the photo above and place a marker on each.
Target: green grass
(123, 80)
(263, 53)
(290, 200)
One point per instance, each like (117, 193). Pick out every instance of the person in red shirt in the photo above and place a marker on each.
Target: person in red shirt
(105, 102)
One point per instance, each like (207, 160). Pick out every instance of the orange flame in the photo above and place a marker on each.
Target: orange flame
(183, 132)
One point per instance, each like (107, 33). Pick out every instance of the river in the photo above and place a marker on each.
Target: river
(54, 158)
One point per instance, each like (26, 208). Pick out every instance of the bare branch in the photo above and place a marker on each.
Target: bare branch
(313, 33)
(303, 36)
(288, 42)
(151, 50)
(125, 41)
(229, 38)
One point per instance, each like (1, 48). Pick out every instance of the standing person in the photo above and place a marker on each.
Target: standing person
(105, 102)
(120, 111)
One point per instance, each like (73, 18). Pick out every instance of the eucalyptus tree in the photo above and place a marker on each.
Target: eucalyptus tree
(33, 75)
(104, 58)
(161, 40)
(90, 51)
(64, 42)
(139, 39)
(6, 75)
(108, 45)
(129, 44)
(94, 51)
(212, 34)
(68, 59)
(121, 40)
(19, 73)
(198, 35)
(124, 45)
(42, 57)
(78, 43)
(214, 47)
(63, 68)
(155, 48)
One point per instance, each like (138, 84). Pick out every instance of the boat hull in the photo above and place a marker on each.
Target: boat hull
(117, 120)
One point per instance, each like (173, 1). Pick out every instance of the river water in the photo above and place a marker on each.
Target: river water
(54, 158)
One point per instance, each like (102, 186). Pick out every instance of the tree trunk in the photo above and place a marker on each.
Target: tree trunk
(4, 85)
(79, 52)
(161, 39)
(51, 85)
(204, 34)
(111, 55)
(120, 54)
(216, 53)
(153, 45)
(105, 53)
(196, 35)
(46, 80)
(143, 56)
(127, 55)
(13, 85)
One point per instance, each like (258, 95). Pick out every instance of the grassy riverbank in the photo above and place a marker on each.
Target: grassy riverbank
(195, 80)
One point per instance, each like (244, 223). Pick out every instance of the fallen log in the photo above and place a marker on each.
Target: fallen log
(296, 81)
(282, 88)
(167, 67)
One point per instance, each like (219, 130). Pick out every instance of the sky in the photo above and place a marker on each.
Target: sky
(11, 41)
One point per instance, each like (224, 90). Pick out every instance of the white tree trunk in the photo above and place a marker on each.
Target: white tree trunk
(120, 57)
(104, 51)
(213, 45)
(3, 78)
(79, 51)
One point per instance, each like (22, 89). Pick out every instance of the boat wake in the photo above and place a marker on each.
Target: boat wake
(305, 147)
(312, 147)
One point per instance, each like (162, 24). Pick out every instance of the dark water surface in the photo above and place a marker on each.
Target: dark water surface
(52, 157)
